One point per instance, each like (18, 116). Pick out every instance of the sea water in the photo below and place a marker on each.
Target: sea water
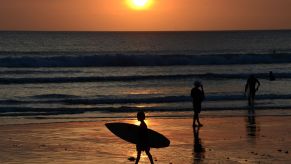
(108, 73)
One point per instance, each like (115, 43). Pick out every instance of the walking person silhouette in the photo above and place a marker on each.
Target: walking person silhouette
(143, 139)
(197, 94)
(251, 87)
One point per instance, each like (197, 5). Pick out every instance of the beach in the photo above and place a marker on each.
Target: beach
(69, 68)
(58, 89)
(223, 139)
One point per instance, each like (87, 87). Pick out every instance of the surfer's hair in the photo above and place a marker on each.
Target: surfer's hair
(140, 115)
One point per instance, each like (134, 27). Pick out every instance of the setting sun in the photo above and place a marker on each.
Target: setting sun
(140, 4)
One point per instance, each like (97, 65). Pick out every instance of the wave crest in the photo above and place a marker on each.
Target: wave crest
(126, 60)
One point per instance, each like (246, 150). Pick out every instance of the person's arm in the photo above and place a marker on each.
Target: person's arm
(203, 95)
(246, 87)
(258, 82)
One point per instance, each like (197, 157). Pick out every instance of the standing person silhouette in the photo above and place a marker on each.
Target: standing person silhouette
(197, 98)
(252, 86)
(143, 139)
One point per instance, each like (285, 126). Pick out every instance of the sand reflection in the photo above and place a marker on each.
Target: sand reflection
(198, 149)
(252, 126)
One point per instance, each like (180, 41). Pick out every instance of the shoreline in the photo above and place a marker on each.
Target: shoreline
(247, 139)
(104, 116)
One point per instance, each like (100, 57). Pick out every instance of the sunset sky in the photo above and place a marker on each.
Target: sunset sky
(118, 15)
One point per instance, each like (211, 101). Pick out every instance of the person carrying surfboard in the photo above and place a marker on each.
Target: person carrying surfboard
(143, 139)
(197, 94)
(251, 87)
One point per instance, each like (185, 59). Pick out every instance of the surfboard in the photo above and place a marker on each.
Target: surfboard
(129, 133)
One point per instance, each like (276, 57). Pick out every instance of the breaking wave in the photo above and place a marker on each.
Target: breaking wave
(41, 80)
(75, 100)
(67, 59)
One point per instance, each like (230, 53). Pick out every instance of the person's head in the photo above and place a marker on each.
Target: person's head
(140, 116)
(197, 83)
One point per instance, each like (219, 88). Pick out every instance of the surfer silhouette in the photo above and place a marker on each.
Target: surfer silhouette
(252, 86)
(197, 94)
(143, 139)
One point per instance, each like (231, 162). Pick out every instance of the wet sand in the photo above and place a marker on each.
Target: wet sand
(263, 139)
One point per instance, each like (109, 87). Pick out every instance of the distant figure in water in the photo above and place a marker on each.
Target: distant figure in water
(274, 51)
(251, 87)
(143, 139)
(197, 94)
(271, 76)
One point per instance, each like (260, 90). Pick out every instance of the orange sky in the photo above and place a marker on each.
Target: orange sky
(115, 15)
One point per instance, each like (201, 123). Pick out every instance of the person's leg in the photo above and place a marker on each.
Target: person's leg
(150, 156)
(194, 119)
(199, 124)
(249, 100)
(137, 157)
(252, 98)
(254, 95)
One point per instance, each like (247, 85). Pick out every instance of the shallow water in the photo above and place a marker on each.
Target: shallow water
(47, 73)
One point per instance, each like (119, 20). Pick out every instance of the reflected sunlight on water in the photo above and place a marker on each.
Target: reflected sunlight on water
(141, 91)
(146, 105)
(136, 122)
(151, 123)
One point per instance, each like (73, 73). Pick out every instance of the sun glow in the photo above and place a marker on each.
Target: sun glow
(136, 122)
(140, 4)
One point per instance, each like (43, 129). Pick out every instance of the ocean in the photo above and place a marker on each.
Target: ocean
(115, 74)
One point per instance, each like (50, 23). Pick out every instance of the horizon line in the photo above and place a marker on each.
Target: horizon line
(232, 30)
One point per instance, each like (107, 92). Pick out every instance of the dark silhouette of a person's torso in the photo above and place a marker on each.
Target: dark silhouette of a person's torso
(252, 84)
(197, 98)
(143, 139)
